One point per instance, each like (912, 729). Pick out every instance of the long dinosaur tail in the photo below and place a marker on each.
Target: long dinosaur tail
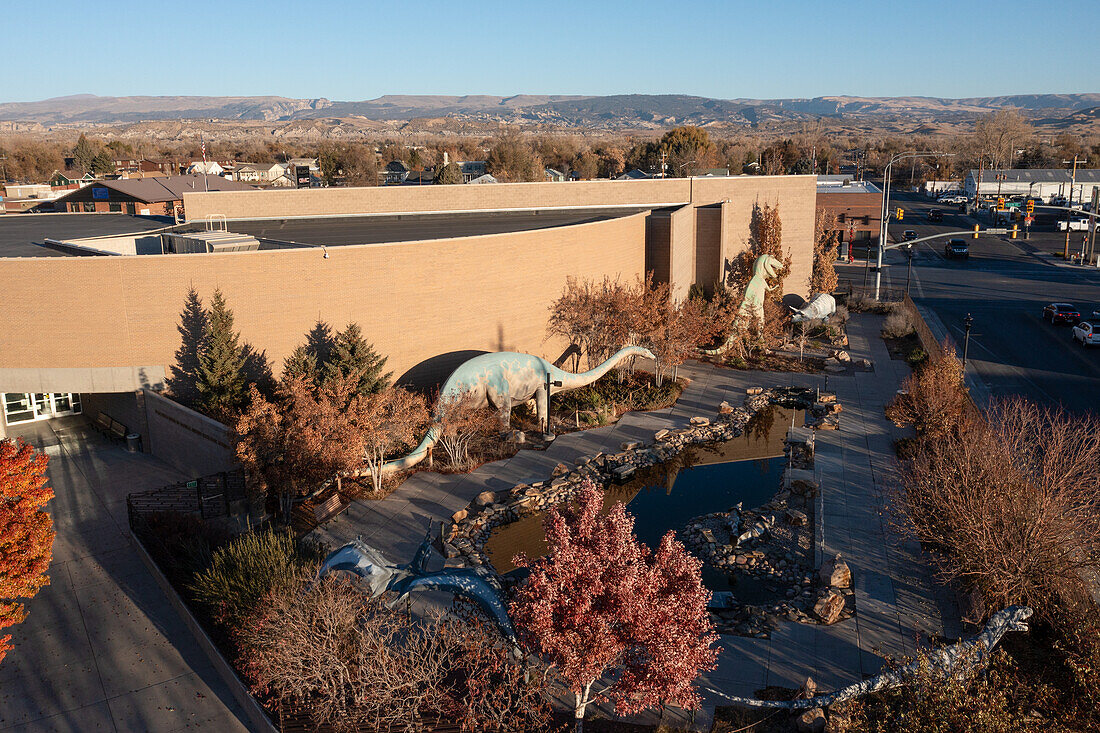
(417, 454)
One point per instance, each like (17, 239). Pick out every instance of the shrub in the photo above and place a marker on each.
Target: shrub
(1012, 505)
(916, 357)
(938, 703)
(840, 317)
(932, 399)
(898, 324)
(245, 571)
(358, 666)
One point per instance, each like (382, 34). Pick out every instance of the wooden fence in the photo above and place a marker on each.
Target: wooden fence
(207, 496)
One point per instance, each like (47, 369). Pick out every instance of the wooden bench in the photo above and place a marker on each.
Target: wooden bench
(118, 430)
(102, 423)
(330, 508)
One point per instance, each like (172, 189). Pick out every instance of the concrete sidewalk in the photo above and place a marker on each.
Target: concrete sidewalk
(101, 648)
(898, 606)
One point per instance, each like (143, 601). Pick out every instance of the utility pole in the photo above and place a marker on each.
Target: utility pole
(1072, 183)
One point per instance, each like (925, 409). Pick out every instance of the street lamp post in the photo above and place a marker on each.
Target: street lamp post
(546, 425)
(967, 323)
(1072, 183)
(884, 219)
(909, 270)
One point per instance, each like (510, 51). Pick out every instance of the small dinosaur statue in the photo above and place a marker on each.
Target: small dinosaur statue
(381, 575)
(955, 659)
(821, 306)
(752, 305)
(504, 379)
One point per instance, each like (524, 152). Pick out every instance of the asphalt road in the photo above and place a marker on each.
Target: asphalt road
(1004, 286)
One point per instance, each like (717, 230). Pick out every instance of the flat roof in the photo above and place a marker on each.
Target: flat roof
(338, 231)
(834, 183)
(23, 235)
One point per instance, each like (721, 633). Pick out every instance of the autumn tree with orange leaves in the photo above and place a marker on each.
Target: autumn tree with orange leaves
(26, 531)
(291, 445)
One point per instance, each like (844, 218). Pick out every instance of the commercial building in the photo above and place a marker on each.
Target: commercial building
(432, 274)
(1044, 183)
(161, 196)
(856, 205)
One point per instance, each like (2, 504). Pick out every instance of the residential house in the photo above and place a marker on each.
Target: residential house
(209, 167)
(259, 173)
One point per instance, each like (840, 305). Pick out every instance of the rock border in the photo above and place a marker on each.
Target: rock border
(472, 526)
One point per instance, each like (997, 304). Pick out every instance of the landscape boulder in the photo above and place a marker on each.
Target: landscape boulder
(828, 607)
(811, 721)
(485, 498)
(835, 573)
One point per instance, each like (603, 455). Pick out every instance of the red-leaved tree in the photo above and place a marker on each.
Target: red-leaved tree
(26, 531)
(606, 611)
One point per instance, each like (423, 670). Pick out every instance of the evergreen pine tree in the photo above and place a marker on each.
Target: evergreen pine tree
(301, 363)
(84, 153)
(351, 354)
(221, 379)
(185, 372)
(311, 359)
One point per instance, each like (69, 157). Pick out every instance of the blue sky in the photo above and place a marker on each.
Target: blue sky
(356, 50)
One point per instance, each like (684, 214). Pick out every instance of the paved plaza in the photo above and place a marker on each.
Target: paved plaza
(898, 604)
(102, 649)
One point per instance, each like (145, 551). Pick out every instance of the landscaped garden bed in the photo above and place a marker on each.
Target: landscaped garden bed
(766, 550)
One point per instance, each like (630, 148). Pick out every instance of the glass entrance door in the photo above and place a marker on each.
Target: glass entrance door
(43, 406)
(22, 407)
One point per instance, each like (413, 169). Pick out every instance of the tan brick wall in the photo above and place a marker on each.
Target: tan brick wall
(796, 196)
(414, 300)
(682, 251)
(396, 199)
(708, 248)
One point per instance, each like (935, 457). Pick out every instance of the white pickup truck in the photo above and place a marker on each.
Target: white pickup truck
(1075, 225)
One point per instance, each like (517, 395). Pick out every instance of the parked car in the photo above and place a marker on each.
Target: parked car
(1086, 333)
(935, 215)
(1075, 225)
(1062, 313)
(908, 235)
(956, 248)
(953, 198)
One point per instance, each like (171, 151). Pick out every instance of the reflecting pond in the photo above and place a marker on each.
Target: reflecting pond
(702, 479)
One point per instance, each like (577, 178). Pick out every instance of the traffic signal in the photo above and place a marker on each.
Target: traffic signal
(976, 228)
(1015, 230)
(1000, 204)
(901, 213)
(1030, 206)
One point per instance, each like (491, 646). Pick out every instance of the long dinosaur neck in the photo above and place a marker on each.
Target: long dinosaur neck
(570, 380)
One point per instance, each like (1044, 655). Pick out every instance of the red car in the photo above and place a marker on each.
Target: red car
(1062, 313)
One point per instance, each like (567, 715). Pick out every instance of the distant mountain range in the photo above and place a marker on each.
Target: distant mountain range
(622, 111)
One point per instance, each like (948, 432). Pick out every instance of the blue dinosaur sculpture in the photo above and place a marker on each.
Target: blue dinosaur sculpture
(504, 379)
(380, 575)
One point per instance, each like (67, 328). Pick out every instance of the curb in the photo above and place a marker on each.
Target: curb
(255, 715)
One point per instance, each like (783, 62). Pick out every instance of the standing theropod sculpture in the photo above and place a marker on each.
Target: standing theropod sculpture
(503, 380)
(752, 306)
